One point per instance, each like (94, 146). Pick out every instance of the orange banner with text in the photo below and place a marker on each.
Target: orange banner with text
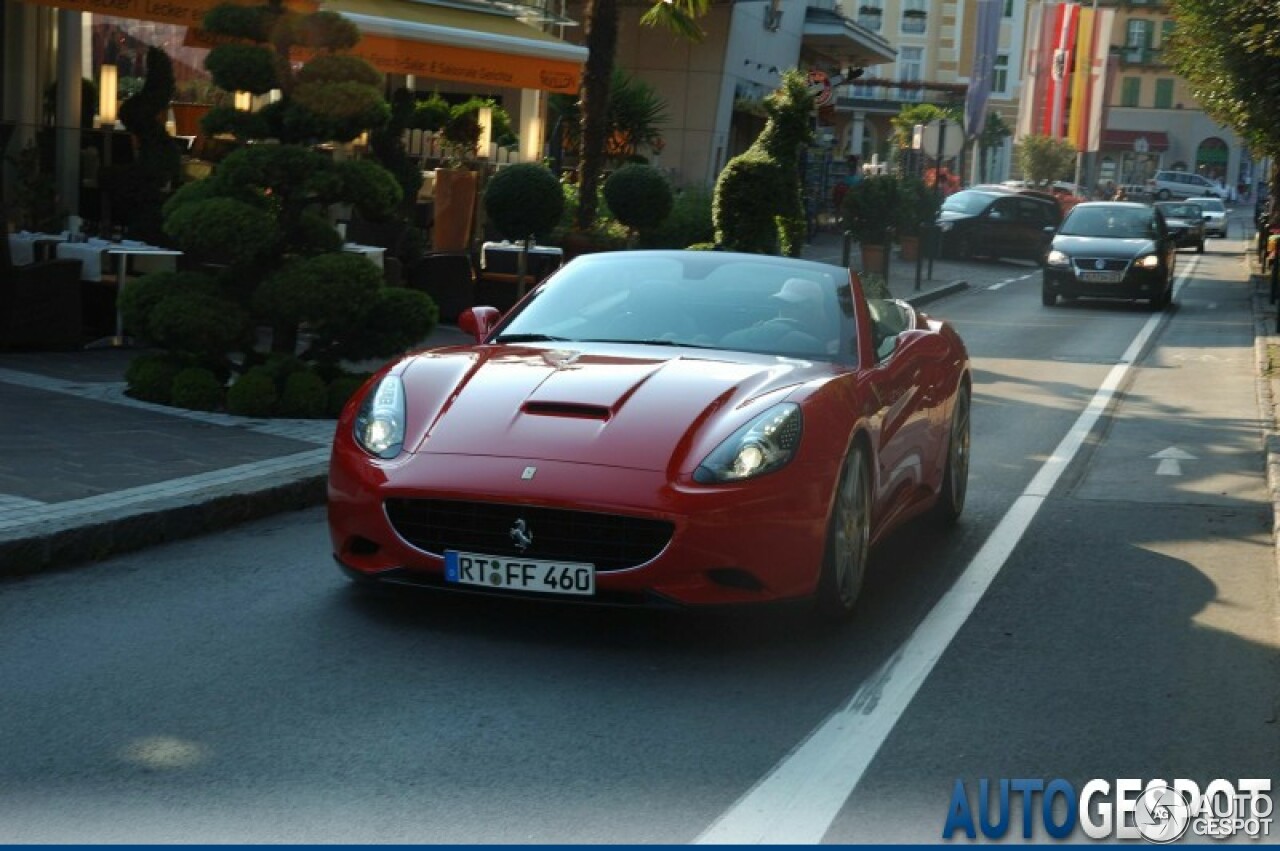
(461, 64)
(187, 13)
(468, 65)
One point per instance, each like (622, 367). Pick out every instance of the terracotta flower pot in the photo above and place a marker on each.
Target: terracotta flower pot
(455, 209)
(874, 259)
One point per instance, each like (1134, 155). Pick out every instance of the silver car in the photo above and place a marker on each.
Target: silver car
(1215, 215)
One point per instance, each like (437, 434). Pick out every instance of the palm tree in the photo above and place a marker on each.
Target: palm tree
(600, 19)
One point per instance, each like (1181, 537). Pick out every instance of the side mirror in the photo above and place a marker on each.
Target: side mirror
(479, 321)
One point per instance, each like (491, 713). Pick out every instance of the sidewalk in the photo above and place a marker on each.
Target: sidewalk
(87, 472)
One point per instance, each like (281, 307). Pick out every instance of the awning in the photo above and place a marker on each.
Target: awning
(1125, 140)
(463, 45)
(844, 41)
(186, 13)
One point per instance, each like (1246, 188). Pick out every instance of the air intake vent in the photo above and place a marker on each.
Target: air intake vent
(567, 409)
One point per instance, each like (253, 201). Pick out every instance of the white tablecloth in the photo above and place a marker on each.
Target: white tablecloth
(90, 255)
(373, 252)
(99, 254)
(22, 245)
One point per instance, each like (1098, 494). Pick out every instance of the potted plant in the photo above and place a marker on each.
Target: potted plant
(918, 206)
(870, 211)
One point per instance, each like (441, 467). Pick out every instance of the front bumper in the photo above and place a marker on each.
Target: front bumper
(1137, 283)
(753, 542)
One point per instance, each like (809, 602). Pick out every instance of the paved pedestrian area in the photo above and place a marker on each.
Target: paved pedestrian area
(86, 471)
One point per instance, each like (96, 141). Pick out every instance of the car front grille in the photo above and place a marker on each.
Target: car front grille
(1109, 264)
(609, 541)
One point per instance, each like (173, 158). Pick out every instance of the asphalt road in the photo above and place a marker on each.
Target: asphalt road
(1109, 621)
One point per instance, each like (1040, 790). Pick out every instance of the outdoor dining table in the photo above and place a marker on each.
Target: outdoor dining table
(95, 252)
(26, 247)
(375, 253)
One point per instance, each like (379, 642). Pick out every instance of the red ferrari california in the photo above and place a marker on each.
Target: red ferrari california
(679, 427)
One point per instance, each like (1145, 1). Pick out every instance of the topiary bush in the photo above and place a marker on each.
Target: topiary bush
(197, 389)
(150, 378)
(396, 320)
(140, 298)
(196, 323)
(340, 391)
(760, 189)
(253, 394)
(871, 207)
(524, 200)
(689, 222)
(639, 196)
(304, 395)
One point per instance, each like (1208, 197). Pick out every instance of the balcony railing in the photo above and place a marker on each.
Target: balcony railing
(1139, 55)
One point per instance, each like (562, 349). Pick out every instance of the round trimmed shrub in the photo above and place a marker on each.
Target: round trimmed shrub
(304, 396)
(340, 391)
(336, 68)
(370, 188)
(399, 319)
(639, 196)
(223, 230)
(196, 322)
(524, 200)
(253, 394)
(141, 297)
(197, 389)
(242, 67)
(334, 289)
(150, 378)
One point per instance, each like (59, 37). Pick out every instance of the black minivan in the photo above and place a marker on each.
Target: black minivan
(996, 221)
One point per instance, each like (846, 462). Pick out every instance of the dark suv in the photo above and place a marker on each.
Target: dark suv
(995, 221)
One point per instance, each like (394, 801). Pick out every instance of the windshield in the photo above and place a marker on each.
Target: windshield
(1110, 221)
(967, 202)
(695, 299)
(1180, 211)
(1214, 204)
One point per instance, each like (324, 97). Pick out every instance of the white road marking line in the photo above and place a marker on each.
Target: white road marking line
(800, 798)
(1008, 281)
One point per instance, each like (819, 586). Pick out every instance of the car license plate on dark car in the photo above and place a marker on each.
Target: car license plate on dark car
(1102, 277)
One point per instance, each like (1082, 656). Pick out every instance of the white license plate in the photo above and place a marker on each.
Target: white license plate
(1102, 277)
(519, 574)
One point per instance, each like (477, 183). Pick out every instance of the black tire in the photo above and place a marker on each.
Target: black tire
(1200, 247)
(1048, 297)
(1161, 301)
(844, 565)
(955, 479)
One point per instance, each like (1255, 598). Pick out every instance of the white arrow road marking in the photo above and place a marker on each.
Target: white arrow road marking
(1171, 461)
(797, 801)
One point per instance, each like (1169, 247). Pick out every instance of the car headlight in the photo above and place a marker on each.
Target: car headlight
(1148, 262)
(763, 445)
(1057, 258)
(379, 425)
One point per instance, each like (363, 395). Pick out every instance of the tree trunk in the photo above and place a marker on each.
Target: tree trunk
(601, 22)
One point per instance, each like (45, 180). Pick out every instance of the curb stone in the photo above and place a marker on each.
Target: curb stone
(1268, 391)
(33, 548)
(935, 294)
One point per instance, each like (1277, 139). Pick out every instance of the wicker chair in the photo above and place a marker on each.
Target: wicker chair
(449, 278)
(40, 303)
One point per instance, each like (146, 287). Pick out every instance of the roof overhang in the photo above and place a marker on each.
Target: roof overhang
(462, 44)
(844, 41)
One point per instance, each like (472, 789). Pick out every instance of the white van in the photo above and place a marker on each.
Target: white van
(1182, 184)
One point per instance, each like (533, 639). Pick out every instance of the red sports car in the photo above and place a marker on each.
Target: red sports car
(681, 427)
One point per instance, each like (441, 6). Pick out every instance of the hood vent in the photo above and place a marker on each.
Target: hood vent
(567, 409)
